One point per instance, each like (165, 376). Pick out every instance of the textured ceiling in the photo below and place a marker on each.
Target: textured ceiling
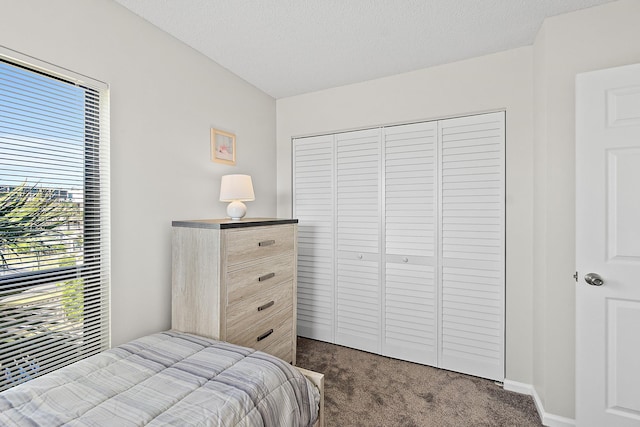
(290, 47)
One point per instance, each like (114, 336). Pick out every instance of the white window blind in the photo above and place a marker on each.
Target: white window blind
(54, 220)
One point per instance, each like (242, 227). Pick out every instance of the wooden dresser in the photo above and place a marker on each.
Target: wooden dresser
(236, 281)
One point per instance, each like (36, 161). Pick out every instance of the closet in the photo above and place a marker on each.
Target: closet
(401, 241)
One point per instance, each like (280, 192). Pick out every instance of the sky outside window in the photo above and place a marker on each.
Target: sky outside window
(42, 130)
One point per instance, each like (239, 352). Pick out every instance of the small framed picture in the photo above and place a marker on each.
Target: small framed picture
(223, 147)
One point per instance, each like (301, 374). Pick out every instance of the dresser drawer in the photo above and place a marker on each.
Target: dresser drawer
(249, 244)
(278, 343)
(253, 278)
(267, 331)
(282, 348)
(255, 308)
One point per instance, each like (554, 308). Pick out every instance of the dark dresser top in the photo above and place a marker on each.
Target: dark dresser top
(223, 223)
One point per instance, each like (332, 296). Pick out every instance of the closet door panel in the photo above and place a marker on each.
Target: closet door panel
(472, 245)
(410, 292)
(313, 195)
(358, 304)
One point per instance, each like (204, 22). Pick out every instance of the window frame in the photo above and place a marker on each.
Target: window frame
(96, 210)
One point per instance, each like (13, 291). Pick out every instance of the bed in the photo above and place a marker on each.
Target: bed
(169, 378)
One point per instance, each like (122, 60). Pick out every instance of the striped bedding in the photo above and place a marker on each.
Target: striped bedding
(168, 378)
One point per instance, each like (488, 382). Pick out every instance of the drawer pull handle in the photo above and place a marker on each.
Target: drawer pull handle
(267, 243)
(266, 334)
(265, 306)
(266, 277)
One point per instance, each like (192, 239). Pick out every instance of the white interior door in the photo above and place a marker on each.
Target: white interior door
(410, 295)
(358, 290)
(608, 244)
(313, 205)
(472, 212)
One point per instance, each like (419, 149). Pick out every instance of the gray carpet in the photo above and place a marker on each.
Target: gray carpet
(364, 389)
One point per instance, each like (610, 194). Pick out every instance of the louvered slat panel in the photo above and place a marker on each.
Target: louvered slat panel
(409, 189)
(410, 295)
(358, 290)
(357, 182)
(313, 207)
(358, 303)
(410, 313)
(472, 244)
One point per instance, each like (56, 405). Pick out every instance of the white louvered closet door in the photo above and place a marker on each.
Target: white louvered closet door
(358, 292)
(472, 245)
(401, 241)
(313, 201)
(410, 288)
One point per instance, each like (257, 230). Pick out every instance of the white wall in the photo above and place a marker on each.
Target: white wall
(494, 82)
(596, 38)
(164, 98)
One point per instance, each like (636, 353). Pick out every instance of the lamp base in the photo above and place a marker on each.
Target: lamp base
(236, 210)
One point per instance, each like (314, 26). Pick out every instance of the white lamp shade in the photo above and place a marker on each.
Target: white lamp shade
(236, 188)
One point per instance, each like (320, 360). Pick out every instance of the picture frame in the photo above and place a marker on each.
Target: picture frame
(223, 147)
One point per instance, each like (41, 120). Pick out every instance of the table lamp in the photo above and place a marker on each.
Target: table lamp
(236, 189)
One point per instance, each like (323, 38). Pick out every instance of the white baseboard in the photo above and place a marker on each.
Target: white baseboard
(521, 388)
(549, 420)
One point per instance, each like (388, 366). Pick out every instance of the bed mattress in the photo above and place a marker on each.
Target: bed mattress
(168, 378)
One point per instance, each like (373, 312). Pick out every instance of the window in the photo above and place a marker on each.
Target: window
(54, 219)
